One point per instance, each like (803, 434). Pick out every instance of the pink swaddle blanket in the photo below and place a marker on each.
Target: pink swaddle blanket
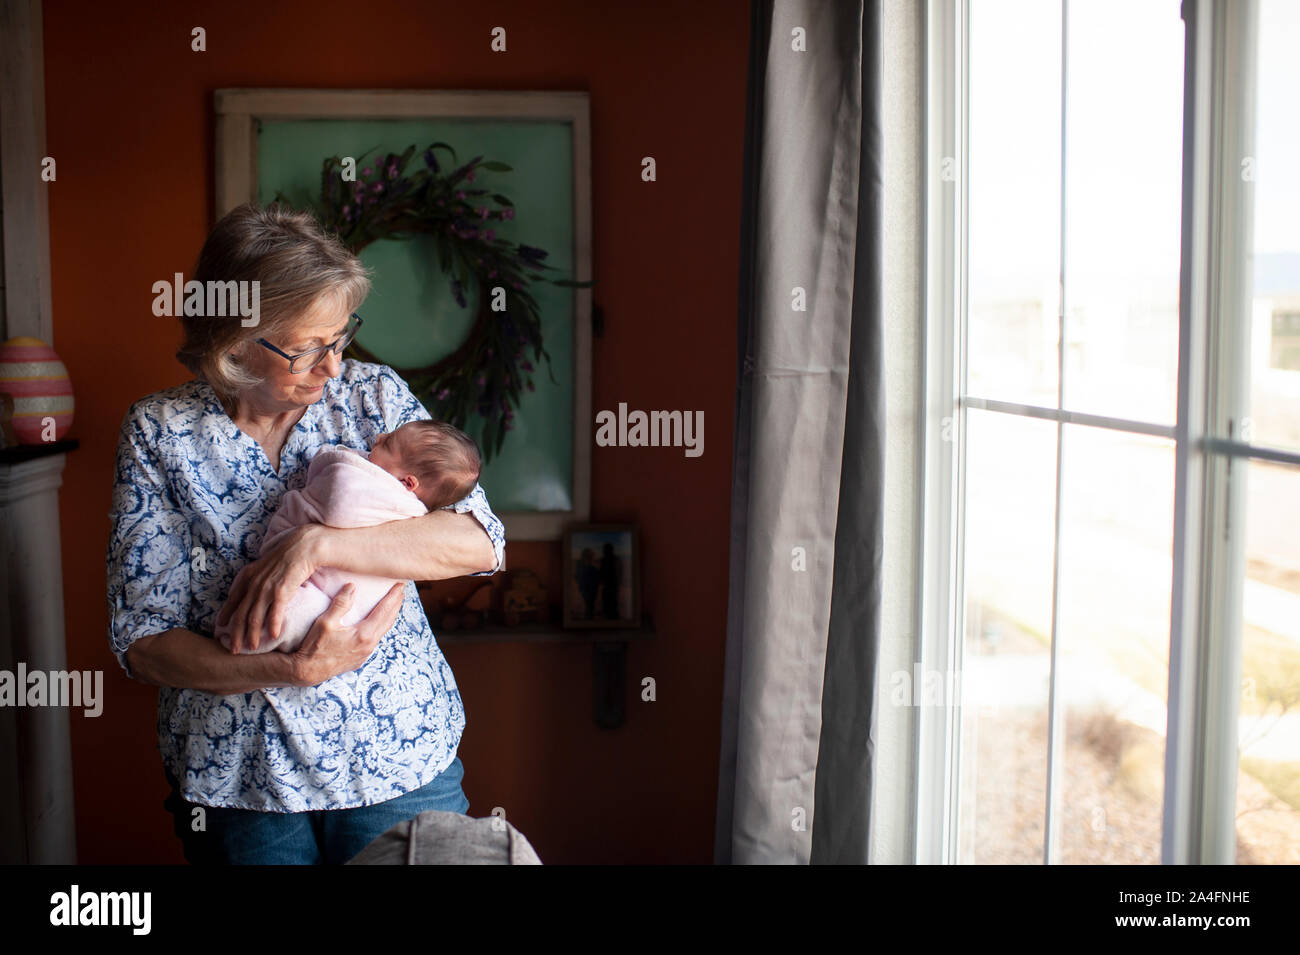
(343, 489)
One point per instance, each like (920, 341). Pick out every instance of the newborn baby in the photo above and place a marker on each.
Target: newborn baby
(422, 466)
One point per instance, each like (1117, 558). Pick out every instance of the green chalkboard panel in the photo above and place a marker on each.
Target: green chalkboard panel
(411, 317)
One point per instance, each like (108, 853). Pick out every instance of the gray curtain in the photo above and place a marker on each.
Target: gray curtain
(803, 621)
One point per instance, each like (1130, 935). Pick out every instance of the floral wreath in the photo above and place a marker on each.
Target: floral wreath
(487, 371)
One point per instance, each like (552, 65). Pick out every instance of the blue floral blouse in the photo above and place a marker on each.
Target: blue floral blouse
(191, 501)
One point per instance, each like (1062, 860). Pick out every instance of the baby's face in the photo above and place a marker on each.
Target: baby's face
(389, 452)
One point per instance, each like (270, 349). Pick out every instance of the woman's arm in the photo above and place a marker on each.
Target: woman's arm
(182, 658)
(461, 539)
(436, 546)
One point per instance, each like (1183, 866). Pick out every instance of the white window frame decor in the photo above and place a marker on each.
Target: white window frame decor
(239, 111)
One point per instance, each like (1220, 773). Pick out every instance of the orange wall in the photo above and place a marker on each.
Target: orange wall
(129, 121)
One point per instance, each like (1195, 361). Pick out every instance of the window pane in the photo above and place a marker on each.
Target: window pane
(1014, 200)
(1268, 781)
(1010, 508)
(1275, 326)
(1113, 668)
(1123, 174)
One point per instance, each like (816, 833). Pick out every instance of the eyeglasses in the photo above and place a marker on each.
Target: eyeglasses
(310, 359)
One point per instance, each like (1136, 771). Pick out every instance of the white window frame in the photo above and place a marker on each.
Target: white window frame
(1208, 536)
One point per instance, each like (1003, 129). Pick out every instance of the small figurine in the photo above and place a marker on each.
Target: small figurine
(467, 613)
(525, 599)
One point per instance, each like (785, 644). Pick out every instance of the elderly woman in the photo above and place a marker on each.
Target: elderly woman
(302, 757)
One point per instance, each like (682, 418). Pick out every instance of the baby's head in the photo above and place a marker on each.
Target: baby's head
(440, 464)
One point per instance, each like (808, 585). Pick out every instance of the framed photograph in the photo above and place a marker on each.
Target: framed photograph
(271, 141)
(602, 576)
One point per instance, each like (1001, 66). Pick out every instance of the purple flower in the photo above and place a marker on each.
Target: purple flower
(482, 379)
(444, 394)
(489, 235)
(483, 212)
(367, 171)
(430, 161)
(508, 212)
(527, 366)
(357, 188)
(347, 211)
(470, 177)
(531, 253)
(392, 169)
(460, 194)
(377, 188)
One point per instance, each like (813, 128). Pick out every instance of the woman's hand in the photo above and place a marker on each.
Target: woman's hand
(330, 648)
(263, 588)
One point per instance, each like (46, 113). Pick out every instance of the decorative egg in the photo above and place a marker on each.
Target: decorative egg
(32, 374)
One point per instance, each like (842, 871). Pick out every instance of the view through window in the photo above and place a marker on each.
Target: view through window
(1268, 781)
(1106, 557)
(1093, 540)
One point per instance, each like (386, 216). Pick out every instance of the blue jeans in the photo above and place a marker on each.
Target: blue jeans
(326, 836)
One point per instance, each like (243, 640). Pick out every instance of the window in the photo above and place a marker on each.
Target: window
(1267, 814)
(1112, 478)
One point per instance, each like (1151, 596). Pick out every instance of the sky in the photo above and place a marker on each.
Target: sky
(1124, 139)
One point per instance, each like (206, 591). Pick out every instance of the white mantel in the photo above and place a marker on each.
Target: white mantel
(36, 809)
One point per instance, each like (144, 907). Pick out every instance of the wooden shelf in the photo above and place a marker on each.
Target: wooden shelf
(608, 657)
(544, 633)
(18, 453)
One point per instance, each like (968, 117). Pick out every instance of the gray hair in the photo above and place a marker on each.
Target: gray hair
(296, 262)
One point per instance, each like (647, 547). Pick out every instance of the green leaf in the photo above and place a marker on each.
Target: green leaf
(496, 166)
(502, 200)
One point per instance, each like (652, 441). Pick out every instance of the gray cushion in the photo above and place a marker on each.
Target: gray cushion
(449, 838)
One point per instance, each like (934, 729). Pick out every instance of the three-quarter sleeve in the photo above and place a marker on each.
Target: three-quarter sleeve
(476, 503)
(148, 544)
(401, 406)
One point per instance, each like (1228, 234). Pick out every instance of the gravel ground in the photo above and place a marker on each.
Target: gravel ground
(1113, 791)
